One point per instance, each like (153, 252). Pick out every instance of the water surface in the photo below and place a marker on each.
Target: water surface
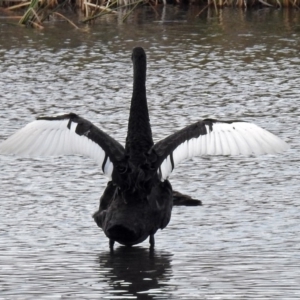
(243, 243)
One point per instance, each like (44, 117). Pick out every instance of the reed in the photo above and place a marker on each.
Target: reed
(37, 11)
(86, 4)
(93, 11)
(31, 14)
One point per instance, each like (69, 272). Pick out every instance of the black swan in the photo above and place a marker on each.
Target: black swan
(138, 199)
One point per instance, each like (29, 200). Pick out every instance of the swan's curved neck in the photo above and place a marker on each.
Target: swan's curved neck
(139, 136)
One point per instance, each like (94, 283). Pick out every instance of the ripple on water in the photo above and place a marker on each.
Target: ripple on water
(243, 243)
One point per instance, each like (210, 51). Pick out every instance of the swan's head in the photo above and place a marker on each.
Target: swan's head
(138, 53)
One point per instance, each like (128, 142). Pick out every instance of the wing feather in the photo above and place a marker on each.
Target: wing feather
(219, 149)
(225, 142)
(203, 144)
(64, 135)
(212, 137)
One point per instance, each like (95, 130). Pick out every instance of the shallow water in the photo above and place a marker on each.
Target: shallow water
(243, 243)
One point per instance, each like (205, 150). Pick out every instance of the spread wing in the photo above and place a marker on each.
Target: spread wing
(212, 137)
(65, 135)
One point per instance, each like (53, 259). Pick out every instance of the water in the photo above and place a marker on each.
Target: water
(243, 243)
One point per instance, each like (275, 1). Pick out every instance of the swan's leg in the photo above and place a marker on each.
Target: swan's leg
(111, 244)
(151, 241)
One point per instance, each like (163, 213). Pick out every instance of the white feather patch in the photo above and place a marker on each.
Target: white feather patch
(53, 137)
(237, 138)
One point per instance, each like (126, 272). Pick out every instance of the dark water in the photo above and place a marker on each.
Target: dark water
(243, 243)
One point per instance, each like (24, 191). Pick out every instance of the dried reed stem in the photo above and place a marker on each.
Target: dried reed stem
(62, 16)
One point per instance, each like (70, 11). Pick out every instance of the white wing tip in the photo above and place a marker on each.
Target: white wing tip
(282, 146)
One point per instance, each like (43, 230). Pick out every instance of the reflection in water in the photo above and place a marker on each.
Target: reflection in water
(135, 271)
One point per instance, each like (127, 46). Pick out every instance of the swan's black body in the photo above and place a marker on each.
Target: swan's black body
(136, 203)
(138, 199)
